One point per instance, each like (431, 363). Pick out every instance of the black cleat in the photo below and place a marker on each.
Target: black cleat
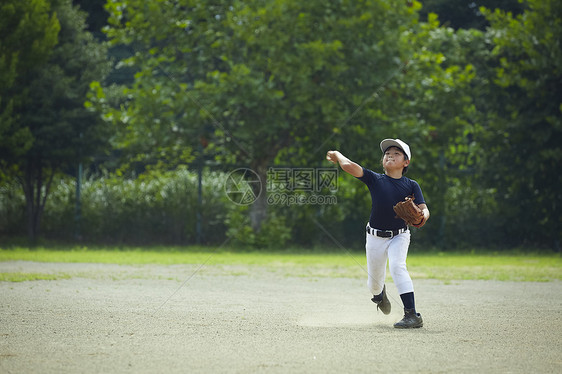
(382, 301)
(411, 320)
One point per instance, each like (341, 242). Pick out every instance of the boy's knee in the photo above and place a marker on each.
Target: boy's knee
(397, 270)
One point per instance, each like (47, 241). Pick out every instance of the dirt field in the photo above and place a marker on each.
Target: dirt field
(176, 319)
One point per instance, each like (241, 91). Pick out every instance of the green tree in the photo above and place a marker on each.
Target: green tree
(482, 112)
(522, 135)
(51, 109)
(265, 74)
(28, 32)
(427, 101)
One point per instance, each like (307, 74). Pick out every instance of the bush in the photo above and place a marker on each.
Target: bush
(157, 207)
(274, 231)
(161, 208)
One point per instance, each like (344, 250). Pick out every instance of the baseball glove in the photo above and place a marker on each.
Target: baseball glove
(409, 212)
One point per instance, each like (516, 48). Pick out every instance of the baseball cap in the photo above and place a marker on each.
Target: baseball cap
(396, 143)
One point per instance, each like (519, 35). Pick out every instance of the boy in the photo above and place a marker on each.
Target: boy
(388, 237)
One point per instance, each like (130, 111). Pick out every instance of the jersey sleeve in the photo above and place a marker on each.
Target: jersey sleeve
(416, 190)
(368, 177)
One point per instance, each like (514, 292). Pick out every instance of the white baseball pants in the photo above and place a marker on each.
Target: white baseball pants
(394, 249)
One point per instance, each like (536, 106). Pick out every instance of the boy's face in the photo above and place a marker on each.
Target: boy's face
(393, 159)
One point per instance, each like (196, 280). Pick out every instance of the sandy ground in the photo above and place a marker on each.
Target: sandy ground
(177, 319)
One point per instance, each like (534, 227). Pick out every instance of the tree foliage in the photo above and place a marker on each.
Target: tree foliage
(50, 109)
(521, 135)
(264, 75)
(28, 30)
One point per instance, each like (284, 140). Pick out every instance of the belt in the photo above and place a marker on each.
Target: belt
(385, 233)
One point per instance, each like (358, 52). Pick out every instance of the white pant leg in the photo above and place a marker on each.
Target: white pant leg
(377, 254)
(397, 253)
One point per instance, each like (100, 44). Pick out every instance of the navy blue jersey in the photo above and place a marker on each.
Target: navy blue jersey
(385, 193)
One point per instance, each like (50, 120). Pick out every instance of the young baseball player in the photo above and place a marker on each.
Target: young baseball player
(388, 237)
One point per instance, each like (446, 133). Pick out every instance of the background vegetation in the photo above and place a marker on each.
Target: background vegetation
(121, 120)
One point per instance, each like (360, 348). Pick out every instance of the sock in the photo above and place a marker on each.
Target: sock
(408, 300)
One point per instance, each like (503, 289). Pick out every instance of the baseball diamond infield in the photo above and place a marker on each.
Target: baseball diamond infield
(176, 319)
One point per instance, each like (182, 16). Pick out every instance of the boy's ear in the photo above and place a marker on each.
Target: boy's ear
(406, 163)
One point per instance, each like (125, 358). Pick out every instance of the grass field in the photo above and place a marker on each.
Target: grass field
(305, 263)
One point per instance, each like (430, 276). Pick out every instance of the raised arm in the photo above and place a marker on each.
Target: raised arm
(346, 164)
